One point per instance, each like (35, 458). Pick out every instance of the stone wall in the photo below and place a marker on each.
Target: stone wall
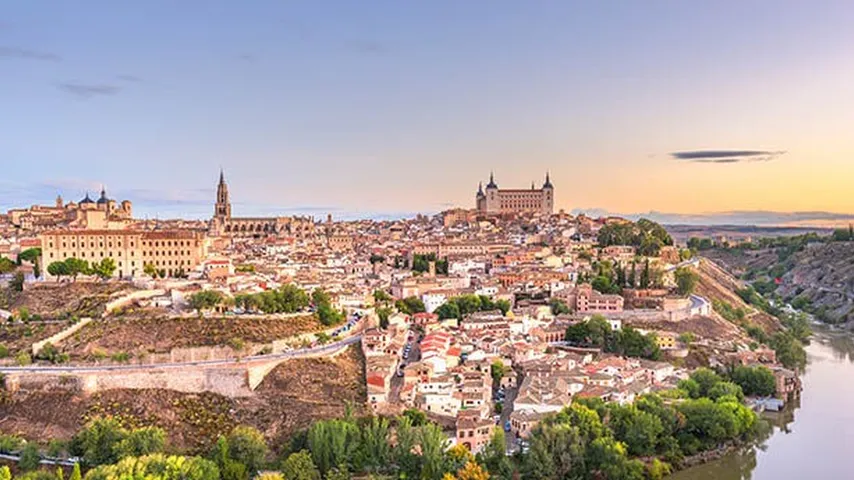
(60, 336)
(227, 381)
(130, 298)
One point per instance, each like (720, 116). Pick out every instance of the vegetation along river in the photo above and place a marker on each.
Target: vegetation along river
(813, 438)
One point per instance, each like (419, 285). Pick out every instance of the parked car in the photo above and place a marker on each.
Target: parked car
(507, 426)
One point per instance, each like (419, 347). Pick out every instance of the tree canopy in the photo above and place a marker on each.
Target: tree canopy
(645, 235)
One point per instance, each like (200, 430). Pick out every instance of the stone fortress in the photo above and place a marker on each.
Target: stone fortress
(497, 201)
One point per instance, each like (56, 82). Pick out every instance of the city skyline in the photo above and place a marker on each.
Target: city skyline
(389, 110)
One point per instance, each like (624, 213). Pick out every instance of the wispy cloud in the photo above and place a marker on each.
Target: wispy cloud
(727, 156)
(129, 78)
(366, 47)
(246, 57)
(27, 54)
(88, 90)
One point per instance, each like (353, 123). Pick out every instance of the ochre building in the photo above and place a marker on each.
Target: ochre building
(495, 200)
(171, 251)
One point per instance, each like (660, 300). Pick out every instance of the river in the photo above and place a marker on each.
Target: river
(813, 438)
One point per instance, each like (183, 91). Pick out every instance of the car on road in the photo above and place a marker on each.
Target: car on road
(507, 426)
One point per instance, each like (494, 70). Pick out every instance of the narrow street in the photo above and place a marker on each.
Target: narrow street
(397, 381)
(509, 399)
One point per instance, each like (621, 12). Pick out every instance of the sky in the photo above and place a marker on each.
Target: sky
(384, 108)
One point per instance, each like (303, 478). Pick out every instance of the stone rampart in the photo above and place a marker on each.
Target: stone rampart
(61, 335)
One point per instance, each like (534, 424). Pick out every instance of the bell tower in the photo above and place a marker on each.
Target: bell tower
(222, 209)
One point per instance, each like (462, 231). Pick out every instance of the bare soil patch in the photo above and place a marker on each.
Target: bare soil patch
(136, 335)
(81, 299)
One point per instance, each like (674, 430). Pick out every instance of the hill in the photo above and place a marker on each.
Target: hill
(292, 396)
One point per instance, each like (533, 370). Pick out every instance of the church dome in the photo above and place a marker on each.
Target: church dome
(86, 199)
(103, 198)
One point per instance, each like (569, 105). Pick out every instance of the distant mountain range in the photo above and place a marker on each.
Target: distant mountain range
(810, 220)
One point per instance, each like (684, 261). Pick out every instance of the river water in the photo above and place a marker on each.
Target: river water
(814, 439)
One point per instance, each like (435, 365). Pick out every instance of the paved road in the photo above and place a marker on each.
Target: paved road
(397, 382)
(154, 366)
(506, 410)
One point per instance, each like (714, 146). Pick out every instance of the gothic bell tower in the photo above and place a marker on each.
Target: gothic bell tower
(222, 210)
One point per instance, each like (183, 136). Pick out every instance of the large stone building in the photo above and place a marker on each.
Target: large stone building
(169, 251)
(495, 200)
(224, 224)
(103, 213)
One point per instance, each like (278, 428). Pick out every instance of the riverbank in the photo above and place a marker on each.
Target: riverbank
(807, 440)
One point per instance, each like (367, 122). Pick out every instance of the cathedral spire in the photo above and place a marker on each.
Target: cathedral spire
(548, 183)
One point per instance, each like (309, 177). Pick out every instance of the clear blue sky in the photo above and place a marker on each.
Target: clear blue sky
(368, 106)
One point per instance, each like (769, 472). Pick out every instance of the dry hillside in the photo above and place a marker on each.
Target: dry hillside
(81, 299)
(717, 284)
(140, 335)
(292, 396)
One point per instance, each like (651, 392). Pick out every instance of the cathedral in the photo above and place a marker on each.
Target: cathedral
(496, 200)
(223, 223)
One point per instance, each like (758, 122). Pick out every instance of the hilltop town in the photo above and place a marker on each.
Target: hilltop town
(492, 317)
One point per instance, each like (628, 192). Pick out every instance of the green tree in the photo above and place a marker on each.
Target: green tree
(494, 458)
(757, 381)
(723, 389)
(77, 267)
(686, 280)
(383, 313)
(381, 296)
(333, 443)
(140, 442)
(58, 269)
(638, 430)
(29, 457)
(556, 451)
(149, 269)
(645, 279)
(706, 379)
(608, 458)
(75, 473)
(17, 282)
(105, 268)
(300, 466)
(497, 370)
(431, 441)
(205, 299)
(416, 417)
(559, 307)
(789, 350)
(448, 310)
(97, 441)
(410, 305)
(374, 452)
(6, 266)
(247, 446)
(5, 473)
(157, 466)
